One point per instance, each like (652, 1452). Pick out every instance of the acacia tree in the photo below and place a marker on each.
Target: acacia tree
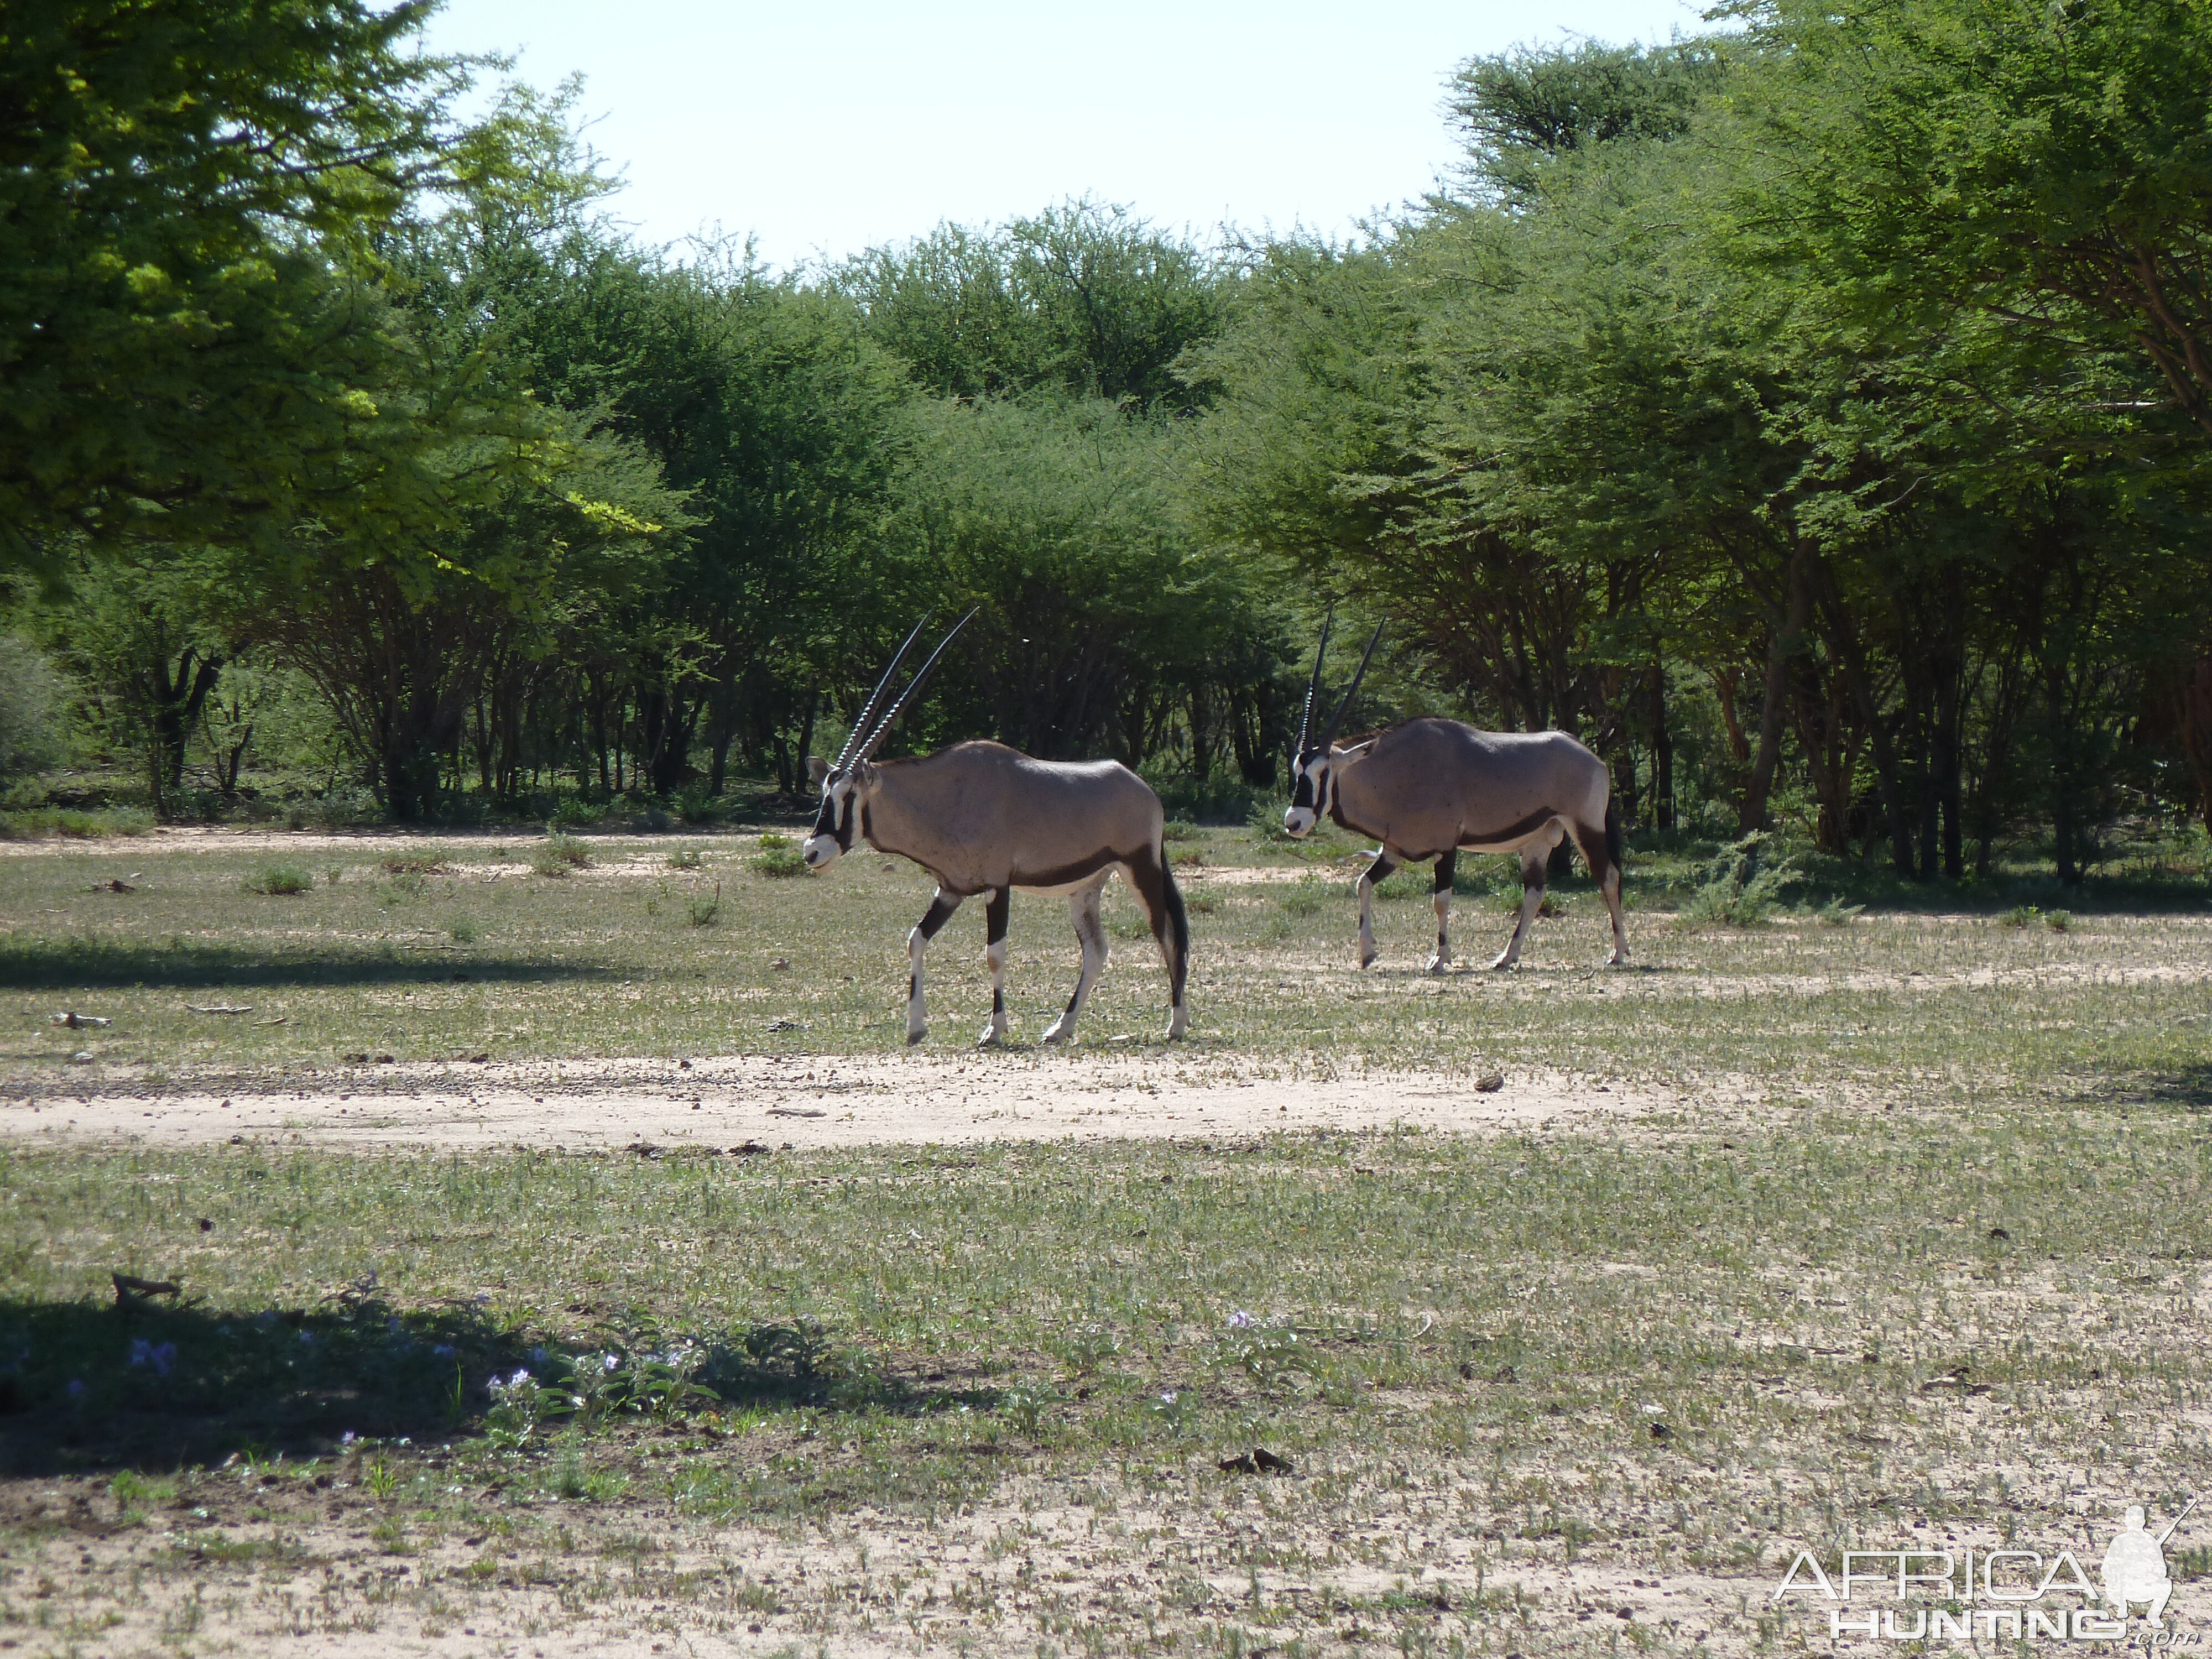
(174, 179)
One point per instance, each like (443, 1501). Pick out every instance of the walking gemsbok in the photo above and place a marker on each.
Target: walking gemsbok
(1429, 789)
(986, 819)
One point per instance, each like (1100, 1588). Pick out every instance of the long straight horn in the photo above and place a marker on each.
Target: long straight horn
(875, 699)
(914, 685)
(1313, 685)
(1352, 691)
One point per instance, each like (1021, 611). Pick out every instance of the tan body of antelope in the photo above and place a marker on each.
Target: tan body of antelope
(984, 820)
(1433, 788)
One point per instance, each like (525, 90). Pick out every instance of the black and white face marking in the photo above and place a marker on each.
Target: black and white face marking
(833, 825)
(1309, 781)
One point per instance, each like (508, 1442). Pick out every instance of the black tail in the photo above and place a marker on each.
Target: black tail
(1615, 849)
(1178, 924)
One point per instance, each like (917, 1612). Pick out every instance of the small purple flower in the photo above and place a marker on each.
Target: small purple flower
(348, 1438)
(611, 1363)
(443, 1351)
(1167, 1398)
(160, 1360)
(1240, 1321)
(307, 1338)
(393, 1325)
(537, 1355)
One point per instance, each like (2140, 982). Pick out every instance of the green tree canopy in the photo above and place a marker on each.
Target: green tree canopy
(176, 180)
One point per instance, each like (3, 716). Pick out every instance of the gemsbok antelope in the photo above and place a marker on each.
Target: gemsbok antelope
(986, 819)
(1433, 788)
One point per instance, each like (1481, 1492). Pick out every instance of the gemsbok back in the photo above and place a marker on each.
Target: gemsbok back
(985, 819)
(1433, 788)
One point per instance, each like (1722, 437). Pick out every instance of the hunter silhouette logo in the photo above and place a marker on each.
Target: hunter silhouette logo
(1995, 1594)
(2134, 1566)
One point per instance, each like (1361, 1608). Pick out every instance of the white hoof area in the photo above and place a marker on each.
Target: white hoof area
(1618, 959)
(1177, 1026)
(992, 1036)
(1501, 964)
(1057, 1034)
(1437, 964)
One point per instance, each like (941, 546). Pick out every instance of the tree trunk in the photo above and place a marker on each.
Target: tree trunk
(1662, 753)
(1950, 676)
(173, 703)
(2195, 697)
(1860, 685)
(1786, 641)
(2063, 836)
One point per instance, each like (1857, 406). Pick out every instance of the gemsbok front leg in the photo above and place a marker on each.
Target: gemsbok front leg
(1536, 857)
(1442, 897)
(996, 905)
(1090, 933)
(917, 944)
(1376, 872)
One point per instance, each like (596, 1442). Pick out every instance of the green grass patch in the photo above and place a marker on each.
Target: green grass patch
(277, 880)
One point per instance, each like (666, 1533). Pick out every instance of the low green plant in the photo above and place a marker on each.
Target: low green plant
(1270, 1355)
(1026, 1404)
(685, 858)
(559, 855)
(1742, 886)
(465, 932)
(1266, 823)
(279, 880)
(779, 858)
(703, 908)
(418, 862)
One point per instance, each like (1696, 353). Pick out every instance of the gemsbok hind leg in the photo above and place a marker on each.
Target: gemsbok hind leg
(1154, 884)
(1602, 851)
(1377, 871)
(917, 944)
(1535, 855)
(1442, 897)
(1091, 932)
(996, 905)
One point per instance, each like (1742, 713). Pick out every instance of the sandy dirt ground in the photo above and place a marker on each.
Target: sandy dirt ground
(761, 1102)
(1031, 1572)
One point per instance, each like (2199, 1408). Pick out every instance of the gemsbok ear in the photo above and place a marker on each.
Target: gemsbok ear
(817, 767)
(1354, 752)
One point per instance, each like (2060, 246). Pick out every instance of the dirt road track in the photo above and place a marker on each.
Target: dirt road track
(809, 1101)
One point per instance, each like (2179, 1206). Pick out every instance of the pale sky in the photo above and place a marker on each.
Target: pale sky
(822, 130)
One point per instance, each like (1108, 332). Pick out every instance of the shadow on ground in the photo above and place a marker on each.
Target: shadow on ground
(88, 1386)
(2189, 1089)
(70, 965)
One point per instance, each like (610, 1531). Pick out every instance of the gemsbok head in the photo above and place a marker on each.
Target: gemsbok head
(984, 819)
(1432, 788)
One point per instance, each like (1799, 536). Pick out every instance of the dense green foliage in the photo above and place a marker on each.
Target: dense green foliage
(1812, 417)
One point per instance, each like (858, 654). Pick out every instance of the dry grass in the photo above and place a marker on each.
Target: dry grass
(1945, 1283)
